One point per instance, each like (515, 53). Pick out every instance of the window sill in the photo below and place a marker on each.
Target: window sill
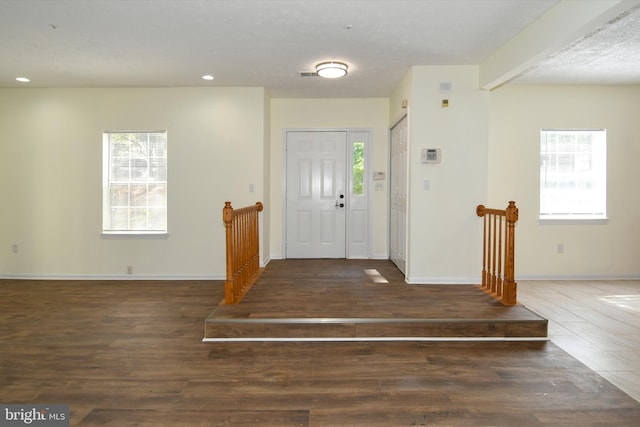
(134, 235)
(573, 221)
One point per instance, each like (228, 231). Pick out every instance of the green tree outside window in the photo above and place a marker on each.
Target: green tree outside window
(358, 168)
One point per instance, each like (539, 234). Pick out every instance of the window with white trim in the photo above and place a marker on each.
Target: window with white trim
(134, 182)
(573, 174)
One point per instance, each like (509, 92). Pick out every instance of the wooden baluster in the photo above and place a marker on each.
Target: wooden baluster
(494, 258)
(238, 255)
(484, 253)
(255, 242)
(492, 236)
(500, 259)
(487, 251)
(253, 238)
(248, 247)
(481, 211)
(245, 245)
(260, 207)
(237, 264)
(237, 261)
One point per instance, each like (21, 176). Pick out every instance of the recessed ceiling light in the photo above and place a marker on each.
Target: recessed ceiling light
(23, 79)
(207, 77)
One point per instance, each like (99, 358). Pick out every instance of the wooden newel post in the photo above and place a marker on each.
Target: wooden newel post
(480, 211)
(227, 217)
(510, 288)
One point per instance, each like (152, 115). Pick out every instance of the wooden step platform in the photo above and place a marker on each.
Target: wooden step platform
(365, 299)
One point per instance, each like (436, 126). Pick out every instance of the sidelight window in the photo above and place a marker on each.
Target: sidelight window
(358, 168)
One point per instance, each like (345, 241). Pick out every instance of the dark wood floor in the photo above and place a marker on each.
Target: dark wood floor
(130, 354)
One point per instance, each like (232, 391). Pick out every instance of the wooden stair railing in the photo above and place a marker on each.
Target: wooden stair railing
(498, 252)
(243, 250)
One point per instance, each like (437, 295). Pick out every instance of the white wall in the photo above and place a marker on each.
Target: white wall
(318, 114)
(610, 250)
(445, 237)
(221, 140)
(51, 177)
(402, 93)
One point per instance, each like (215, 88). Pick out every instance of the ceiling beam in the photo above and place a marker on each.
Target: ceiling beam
(563, 24)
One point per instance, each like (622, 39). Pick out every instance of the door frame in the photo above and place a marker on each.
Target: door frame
(350, 251)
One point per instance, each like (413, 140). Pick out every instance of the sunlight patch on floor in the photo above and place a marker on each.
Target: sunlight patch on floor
(375, 275)
(631, 302)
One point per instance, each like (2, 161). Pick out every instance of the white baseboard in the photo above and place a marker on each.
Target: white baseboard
(580, 277)
(443, 280)
(265, 262)
(478, 280)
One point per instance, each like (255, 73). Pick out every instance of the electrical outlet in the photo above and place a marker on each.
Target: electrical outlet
(129, 269)
(14, 248)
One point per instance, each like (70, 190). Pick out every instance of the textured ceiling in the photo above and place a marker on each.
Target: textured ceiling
(163, 43)
(609, 55)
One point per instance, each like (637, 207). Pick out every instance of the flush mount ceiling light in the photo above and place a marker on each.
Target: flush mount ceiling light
(331, 69)
(207, 77)
(23, 79)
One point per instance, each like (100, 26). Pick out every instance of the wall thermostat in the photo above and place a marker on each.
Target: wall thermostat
(431, 155)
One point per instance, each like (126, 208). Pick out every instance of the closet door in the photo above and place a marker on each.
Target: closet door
(398, 195)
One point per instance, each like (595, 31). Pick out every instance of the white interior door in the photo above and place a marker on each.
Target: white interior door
(398, 195)
(315, 194)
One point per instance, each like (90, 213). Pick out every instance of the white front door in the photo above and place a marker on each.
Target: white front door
(316, 194)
